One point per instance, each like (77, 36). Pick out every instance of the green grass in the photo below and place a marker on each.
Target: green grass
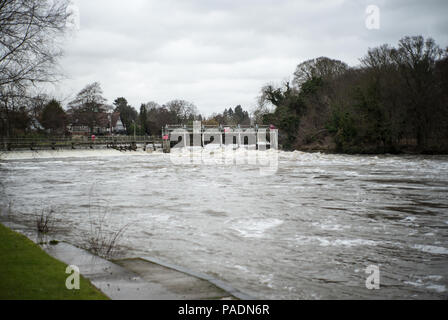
(28, 272)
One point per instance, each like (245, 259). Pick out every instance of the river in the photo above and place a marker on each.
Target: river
(307, 230)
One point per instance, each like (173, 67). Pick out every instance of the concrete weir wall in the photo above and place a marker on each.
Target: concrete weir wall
(255, 137)
(121, 143)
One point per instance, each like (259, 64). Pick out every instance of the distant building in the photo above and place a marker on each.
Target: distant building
(117, 124)
(106, 123)
(78, 130)
(36, 125)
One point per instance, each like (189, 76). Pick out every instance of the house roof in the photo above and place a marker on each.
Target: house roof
(102, 119)
(115, 118)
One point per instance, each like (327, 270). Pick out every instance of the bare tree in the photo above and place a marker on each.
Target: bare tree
(320, 67)
(416, 58)
(379, 57)
(28, 54)
(91, 94)
(183, 110)
(88, 107)
(28, 29)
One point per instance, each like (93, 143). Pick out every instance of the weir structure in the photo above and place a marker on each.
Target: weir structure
(256, 137)
(122, 143)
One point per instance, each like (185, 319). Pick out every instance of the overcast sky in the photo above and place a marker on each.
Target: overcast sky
(218, 54)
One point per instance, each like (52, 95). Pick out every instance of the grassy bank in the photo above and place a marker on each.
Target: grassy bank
(28, 272)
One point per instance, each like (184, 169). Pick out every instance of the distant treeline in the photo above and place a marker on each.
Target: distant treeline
(30, 31)
(395, 101)
(21, 115)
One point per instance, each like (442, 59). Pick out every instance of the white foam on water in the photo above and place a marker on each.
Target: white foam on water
(436, 287)
(409, 219)
(325, 242)
(329, 226)
(434, 277)
(354, 242)
(431, 249)
(267, 279)
(242, 268)
(48, 154)
(255, 228)
(418, 284)
(27, 168)
(284, 232)
(422, 283)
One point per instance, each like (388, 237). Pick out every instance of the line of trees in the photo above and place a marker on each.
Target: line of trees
(229, 117)
(395, 101)
(89, 108)
(153, 117)
(29, 52)
(29, 30)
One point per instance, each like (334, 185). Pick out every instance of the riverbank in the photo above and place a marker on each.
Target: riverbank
(125, 279)
(28, 272)
(328, 145)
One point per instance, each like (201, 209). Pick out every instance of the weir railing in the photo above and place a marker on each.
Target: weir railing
(74, 142)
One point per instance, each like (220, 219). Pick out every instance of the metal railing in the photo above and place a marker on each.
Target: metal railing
(71, 142)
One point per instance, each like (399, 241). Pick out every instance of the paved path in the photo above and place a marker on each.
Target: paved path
(115, 281)
(139, 278)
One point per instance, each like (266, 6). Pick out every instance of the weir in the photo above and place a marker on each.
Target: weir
(257, 137)
(122, 143)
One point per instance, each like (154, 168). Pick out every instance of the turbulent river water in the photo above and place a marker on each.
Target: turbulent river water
(306, 230)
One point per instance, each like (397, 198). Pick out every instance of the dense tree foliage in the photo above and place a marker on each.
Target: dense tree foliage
(153, 117)
(395, 101)
(321, 67)
(157, 117)
(229, 117)
(128, 114)
(53, 117)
